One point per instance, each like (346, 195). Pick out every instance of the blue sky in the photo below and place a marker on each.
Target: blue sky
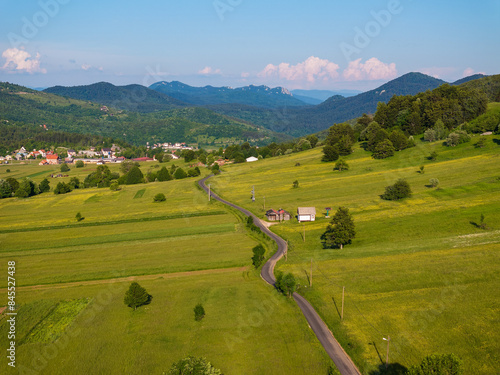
(324, 44)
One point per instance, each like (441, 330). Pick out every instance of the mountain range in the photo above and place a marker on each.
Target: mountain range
(275, 109)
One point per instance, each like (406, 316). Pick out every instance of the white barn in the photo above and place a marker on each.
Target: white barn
(306, 214)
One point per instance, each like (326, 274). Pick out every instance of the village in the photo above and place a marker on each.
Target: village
(92, 155)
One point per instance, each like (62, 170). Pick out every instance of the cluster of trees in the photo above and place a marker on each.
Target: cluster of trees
(454, 105)
(286, 284)
(24, 189)
(258, 255)
(193, 366)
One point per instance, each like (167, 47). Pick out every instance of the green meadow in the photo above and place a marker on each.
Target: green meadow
(419, 270)
(71, 278)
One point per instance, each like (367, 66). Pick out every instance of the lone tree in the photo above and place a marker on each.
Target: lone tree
(401, 189)
(341, 231)
(136, 296)
(160, 197)
(199, 312)
(64, 167)
(193, 366)
(295, 184)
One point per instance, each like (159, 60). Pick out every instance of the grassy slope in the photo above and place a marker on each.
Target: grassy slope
(237, 335)
(418, 270)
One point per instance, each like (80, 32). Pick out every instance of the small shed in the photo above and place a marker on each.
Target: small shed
(306, 214)
(279, 215)
(251, 159)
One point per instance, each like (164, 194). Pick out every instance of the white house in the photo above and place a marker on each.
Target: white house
(251, 158)
(306, 214)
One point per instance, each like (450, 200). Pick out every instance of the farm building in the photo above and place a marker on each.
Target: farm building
(279, 215)
(251, 159)
(306, 214)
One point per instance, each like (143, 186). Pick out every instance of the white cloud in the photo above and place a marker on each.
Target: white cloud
(469, 72)
(372, 69)
(310, 70)
(209, 71)
(87, 67)
(245, 75)
(18, 60)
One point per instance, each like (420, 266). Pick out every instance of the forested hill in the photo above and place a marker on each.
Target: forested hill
(22, 108)
(302, 121)
(134, 98)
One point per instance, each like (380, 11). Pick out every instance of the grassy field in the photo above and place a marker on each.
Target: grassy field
(183, 251)
(419, 270)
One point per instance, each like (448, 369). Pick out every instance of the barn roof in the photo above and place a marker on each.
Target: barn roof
(306, 210)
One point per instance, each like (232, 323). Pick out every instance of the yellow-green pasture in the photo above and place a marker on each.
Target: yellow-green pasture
(420, 270)
(248, 329)
(184, 251)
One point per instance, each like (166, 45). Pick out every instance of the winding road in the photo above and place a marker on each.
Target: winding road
(324, 335)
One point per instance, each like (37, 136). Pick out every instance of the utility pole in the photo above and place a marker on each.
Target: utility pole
(342, 313)
(253, 193)
(388, 339)
(209, 194)
(311, 278)
(304, 237)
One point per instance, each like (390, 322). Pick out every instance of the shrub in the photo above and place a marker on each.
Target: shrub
(114, 186)
(163, 175)
(341, 165)
(295, 184)
(64, 167)
(5, 189)
(258, 255)
(433, 156)
(79, 216)
(7, 170)
(79, 164)
(401, 189)
(457, 137)
(62, 188)
(434, 182)
(438, 364)
(199, 312)
(74, 182)
(383, 150)
(286, 284)
(193, 366)
(180, 174)
(160, 197)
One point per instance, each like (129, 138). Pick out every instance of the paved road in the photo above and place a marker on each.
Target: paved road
(332, 347)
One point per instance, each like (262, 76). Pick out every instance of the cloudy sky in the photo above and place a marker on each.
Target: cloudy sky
(321, 44)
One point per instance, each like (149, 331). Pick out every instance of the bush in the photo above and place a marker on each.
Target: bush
(258, 255)
(180, 174)
(62, 188)
(160, 197)
(438, 364)
(383, 150)
(341, 165)
(285, 284)
(134, 176)
(199, 312)
(434, 182)
(193, 366)
(64, 167)
(457, 137)
(79, 216)
(7, 170)
(114, 186)
(163, 175)
(79, 164)
(74, 182)
(295, 184)
(5, 189)
(401, 189)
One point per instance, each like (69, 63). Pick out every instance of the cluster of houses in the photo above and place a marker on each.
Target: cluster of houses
(303, 214)
(169, 146)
